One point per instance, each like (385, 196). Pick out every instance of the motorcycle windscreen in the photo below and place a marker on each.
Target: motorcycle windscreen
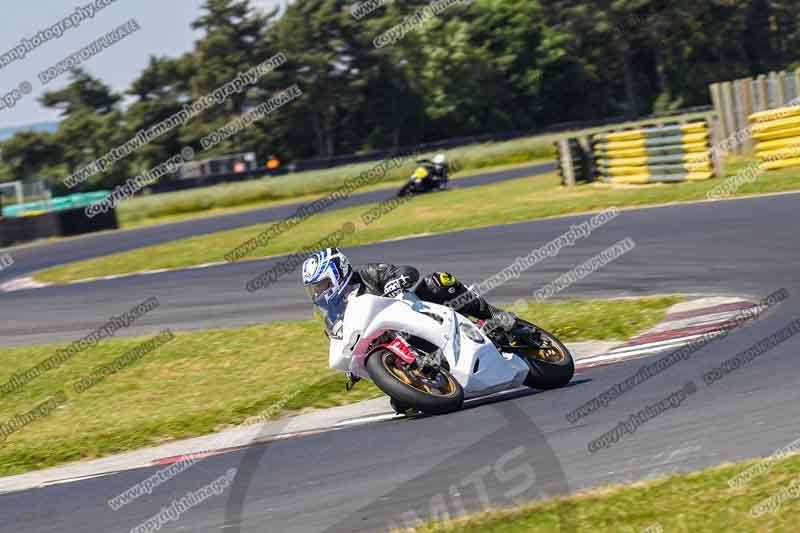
(329, 309)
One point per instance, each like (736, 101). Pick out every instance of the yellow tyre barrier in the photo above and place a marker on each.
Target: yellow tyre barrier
(632, 180)
(690, 138)
(632, 135)
(621, 171)
(699, 176)
(686, 168)
(695, 127)
(782, 124)
(674, 153)
(789, 152)
(775, 114)
(777, 144)
(777, 165)
(780, 134)
(638, 179)
(658, 160)
(677, 149)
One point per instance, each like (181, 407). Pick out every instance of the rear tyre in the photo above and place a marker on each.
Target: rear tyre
(551, 365)
(408, 387)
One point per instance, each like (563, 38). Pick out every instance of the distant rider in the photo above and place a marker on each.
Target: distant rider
(440, 168)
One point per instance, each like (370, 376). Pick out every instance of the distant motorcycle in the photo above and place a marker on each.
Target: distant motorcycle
(428, 177)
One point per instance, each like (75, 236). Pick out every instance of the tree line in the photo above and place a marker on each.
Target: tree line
(462, 69)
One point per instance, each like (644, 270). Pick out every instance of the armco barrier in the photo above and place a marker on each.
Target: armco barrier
(777, 134)
(653, 154)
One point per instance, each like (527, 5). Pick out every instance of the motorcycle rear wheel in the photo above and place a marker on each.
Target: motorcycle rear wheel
(408, 386)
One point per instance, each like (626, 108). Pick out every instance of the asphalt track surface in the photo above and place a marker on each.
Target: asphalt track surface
(31, 259)
(700, 248)
(369, 477)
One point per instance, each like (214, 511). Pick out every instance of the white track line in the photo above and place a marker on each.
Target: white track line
(701, 320)
(641, 350)
(666, 342)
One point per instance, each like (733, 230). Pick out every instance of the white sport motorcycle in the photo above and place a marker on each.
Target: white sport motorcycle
(430, 358)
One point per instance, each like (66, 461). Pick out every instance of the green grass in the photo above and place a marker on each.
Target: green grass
(699, 502)
(510, 201)
(205, 381)
(225, 198)
(596, 319)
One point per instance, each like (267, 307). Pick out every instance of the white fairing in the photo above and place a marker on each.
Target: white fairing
(479, 367)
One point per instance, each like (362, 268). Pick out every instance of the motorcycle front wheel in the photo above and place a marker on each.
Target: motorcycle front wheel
(409, 386)
(551, 364)
(405, 189)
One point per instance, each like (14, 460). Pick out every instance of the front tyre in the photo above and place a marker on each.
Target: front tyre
(405, 190)
(409, 386)
(551, 364)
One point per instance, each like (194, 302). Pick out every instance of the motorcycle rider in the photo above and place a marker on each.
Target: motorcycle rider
(440, 167)
(432, 174)
(328, 273)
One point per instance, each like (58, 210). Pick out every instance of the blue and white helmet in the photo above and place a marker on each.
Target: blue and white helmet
(326, 274)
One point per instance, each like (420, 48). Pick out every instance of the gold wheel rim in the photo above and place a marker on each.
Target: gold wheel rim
(549, 352)
(413, 377)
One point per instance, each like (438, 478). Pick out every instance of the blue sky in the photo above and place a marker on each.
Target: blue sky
(165, 30)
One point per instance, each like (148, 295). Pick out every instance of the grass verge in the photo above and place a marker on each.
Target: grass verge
(205, 381)
(698, 502)
(510, 201)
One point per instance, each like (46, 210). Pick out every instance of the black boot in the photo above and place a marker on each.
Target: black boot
(504, 320)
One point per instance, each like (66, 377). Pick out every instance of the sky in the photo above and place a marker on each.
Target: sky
(164, 29)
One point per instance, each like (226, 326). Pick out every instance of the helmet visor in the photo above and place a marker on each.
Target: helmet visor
(319, 289)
